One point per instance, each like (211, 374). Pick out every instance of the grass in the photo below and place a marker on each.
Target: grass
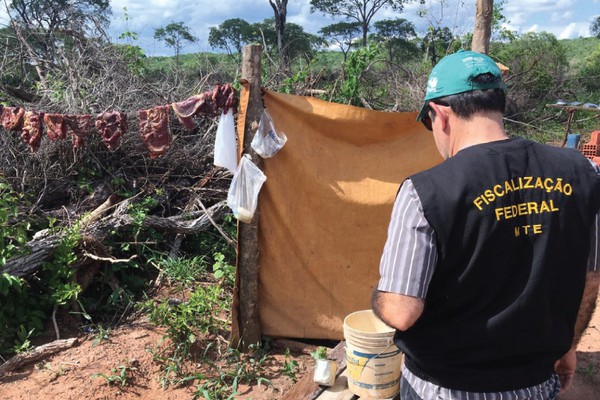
(121, 375)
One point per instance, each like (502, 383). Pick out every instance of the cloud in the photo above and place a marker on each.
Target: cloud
(574, 30)
(536, 6)
(562, 16)
(458, 15)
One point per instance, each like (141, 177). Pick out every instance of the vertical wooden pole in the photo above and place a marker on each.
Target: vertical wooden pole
(483, 26)
(248, 250)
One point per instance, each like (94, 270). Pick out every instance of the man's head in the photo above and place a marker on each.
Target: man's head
(468, 82)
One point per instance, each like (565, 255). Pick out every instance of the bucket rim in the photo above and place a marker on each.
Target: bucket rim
(369, 311)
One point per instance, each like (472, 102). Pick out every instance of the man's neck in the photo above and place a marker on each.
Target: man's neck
(480, 128)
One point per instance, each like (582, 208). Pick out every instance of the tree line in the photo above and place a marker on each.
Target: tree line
(58, 55)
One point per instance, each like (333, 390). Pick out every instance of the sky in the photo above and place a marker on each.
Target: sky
(566, 19)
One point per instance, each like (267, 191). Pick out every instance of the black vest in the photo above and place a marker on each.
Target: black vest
(513, 221)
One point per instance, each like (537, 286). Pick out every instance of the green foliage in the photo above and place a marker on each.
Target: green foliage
(132, 54)
(182, 270)
(231, 35)
(590, 371)
(437, 43)
(359, 11)
(242, 368)
(184, 322)
(538, 67)
(342, 34)
(320, 353)
(59, 270)
(589, 75)
(290, 366)
(397, 36)
(20, 315)
(223, 271)
(175, 35)
(595, 27)
(358, 62)
(12, 235)
(289, 84)
(121, 375)
(139, 210)
(499, 23)
(578, 50)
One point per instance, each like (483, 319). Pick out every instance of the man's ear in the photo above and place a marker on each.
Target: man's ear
(441, 112)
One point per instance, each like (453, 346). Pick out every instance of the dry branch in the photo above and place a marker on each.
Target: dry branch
(36, 354)
(44, 243)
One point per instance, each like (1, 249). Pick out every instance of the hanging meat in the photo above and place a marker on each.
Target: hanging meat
(56, 128)
(226, 97)
(111, 125)
(32, 129)
(221, 97)
(79, 125)
(186, 110)
(12, 118)
(154, 130)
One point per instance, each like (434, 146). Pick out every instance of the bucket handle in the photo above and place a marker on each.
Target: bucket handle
(375, 356)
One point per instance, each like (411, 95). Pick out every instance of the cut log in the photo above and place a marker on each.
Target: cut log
(45, 242)
(36, 354)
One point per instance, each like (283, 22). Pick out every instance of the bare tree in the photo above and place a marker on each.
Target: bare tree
(483, 26)
(280, 11)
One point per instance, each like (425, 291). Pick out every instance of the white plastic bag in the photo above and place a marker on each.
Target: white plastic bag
(325, 371)
(242, 197)
(226, 144)
(267, 142)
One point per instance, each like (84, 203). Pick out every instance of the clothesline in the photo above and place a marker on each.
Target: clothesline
(154, 122)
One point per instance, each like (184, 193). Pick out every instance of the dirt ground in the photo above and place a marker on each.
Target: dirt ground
(69, 374)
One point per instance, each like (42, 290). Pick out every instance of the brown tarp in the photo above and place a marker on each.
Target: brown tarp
(325, 209)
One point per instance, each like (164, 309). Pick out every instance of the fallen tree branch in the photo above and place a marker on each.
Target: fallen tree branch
(36, 354)
(111, 260)
(45, 242)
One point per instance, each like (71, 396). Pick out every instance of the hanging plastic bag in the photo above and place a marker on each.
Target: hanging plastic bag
(242, 197)
(267, 142)
(226, 144)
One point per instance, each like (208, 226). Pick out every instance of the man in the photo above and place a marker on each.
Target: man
(490, 253)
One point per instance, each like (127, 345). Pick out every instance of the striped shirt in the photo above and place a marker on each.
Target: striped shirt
(407, 265)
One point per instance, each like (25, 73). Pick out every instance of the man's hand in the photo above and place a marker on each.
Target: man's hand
(565, 368)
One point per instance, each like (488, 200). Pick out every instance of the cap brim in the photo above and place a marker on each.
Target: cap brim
(423, 112)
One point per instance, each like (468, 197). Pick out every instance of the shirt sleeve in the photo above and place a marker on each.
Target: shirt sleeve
(410, 252)
(594, 259)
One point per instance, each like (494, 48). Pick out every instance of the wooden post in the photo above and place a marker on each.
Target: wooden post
(483, 26)
(248, 250)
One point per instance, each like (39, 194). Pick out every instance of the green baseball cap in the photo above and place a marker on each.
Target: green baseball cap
(454, 74)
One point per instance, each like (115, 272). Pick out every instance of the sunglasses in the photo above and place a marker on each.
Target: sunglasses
(426, 120)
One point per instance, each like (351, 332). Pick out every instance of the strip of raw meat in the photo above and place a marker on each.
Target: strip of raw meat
(111, 125)
(12, 118)
(79, 125)
(32, 129)
(55, 126)
(154, 130)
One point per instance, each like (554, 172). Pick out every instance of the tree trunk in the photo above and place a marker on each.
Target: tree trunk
(280, 11)
(36, 354)
(45, 242)
(483, 26)
(248, 249)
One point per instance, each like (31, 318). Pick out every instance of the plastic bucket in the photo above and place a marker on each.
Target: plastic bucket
(373, 361)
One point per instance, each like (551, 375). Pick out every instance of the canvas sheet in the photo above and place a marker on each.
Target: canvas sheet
(325, 209)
